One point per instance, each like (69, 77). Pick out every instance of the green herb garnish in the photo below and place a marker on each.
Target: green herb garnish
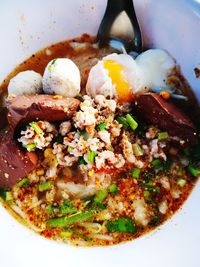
(167, 165)
(67, 207)
(157, 164)
(193, 170)
(82, 161)
(123, 225)
(151, 187)
(58, 139)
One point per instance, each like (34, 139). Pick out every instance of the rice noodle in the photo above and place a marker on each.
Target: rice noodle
(34, 205)
(92, 227)
(76, 190)
(103, 237)
(23, 216)
(80, 243)
(19, 212)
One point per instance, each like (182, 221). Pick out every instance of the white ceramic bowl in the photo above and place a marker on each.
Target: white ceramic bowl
(27, 26)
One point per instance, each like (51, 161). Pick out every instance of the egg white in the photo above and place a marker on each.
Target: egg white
(99, 82)
(156, 65)
(149, 70)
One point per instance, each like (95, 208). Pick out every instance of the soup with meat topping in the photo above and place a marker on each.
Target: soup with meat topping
(95, 146)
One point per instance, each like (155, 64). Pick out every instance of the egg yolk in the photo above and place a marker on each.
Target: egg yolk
(115, 72)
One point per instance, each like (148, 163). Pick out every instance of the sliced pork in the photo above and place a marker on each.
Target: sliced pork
(166, 116)
(40, 107)
(15, 164)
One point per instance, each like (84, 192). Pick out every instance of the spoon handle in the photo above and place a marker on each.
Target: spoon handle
(113, 9)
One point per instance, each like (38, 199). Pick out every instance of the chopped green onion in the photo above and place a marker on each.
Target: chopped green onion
(52, 62)
(123, 225)
(70, 149)
(85, 135)
(101, 126)
(65, 221)
(101, 196)
(66, 234)
(193, 170)
(147, 195)
(91, 156)
(136, 173)
(45, 186)
(9, 198)
(150, 186)
(157, 164)
(137, 150)
(67, 208)
(49, 209)
(181, 182)
(36, 127)
(162, 136)
(113, 188)
(23, 182)
(123, 122)
(132, 123)
(30, 147)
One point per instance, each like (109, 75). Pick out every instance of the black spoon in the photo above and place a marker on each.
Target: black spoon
(127, 42)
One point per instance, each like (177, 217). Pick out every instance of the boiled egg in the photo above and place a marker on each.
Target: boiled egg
(156, 65)
(120, 76)
(115, 76)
